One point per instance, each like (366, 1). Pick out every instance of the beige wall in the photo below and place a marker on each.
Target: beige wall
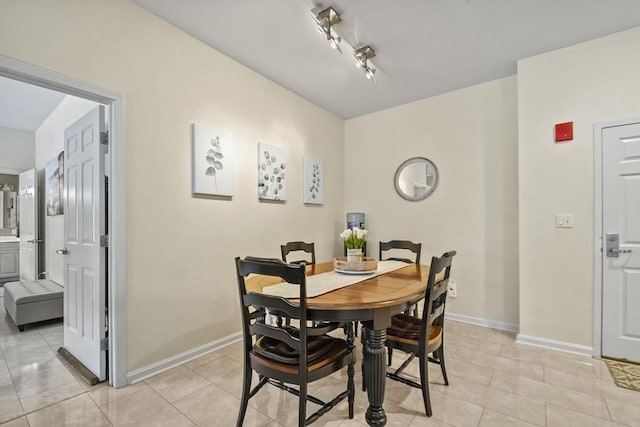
(181, 287)
(49, 143)
(471, 136)
(590, 83)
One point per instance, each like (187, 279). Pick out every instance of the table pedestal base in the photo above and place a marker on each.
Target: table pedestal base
(375, 374)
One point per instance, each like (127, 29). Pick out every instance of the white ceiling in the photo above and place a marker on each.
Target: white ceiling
(24, 106)
(423, 47)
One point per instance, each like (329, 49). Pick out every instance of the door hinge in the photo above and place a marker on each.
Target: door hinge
(104, 138)
(104, 241)
(104, 344)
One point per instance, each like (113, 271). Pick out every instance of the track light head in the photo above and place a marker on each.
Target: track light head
(325, 20)
(362, 56)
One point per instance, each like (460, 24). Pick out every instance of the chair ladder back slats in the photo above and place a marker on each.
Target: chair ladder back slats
(278, 304)
(298, 246)
(416, 248)
(439, 289)
(290, 274)
(257, 313)
(262, 329)
(428, 300)
(437, 312)
(295, 274)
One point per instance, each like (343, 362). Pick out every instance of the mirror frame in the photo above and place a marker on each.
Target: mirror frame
(396, 178)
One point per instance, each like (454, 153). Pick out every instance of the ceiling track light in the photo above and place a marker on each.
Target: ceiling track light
(325, 21)
(363, 55)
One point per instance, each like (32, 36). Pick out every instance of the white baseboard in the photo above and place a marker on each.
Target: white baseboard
(494, 324)
(173, 361)
(523, 339)
(555, 345)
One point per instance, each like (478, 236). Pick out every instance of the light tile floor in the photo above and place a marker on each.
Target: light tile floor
(493, 382)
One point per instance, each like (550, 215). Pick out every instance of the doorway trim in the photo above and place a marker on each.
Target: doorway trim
(598, 242)
(33, 74)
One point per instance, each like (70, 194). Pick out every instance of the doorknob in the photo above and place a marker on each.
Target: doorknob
(613, 246)
(62, 251)
(621, 251)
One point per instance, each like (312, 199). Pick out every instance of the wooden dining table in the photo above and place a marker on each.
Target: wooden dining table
(371, 302)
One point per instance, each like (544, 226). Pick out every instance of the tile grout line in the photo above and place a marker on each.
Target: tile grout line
(13, 381)
(218, 386)
(185, 396)
(171, 404)
(546, 414)
(481, 415)
(606, 405)
(49, 405)
(100, 408)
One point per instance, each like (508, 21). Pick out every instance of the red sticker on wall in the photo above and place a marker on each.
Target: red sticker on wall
(564, 132)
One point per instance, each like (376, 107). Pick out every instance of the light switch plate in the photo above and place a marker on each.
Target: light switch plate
(564, 221)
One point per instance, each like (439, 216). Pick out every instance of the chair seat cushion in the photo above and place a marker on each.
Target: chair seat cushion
(282, 352)
(409, 327)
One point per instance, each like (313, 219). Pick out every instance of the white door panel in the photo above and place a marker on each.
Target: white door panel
(621, 217)
(28, 217)
(84, 301)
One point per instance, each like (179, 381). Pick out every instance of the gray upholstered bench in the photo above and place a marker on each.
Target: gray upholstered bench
(33, 301)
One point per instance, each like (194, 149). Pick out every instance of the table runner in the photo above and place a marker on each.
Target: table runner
(319, 284)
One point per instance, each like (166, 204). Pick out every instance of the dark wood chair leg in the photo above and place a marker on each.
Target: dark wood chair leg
(302, 405)
(442, 367)
(246, 389)
(389, 355)
(351, 386)
(424, 382)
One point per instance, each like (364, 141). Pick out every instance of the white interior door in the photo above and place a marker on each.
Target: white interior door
(28, 221)
(621, 251)
(84, 258)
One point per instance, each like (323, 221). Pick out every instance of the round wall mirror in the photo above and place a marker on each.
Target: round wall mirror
(416, 178)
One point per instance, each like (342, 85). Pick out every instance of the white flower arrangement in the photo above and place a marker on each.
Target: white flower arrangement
(354, 237)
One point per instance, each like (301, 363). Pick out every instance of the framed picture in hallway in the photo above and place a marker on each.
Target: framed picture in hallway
(272, 168)
(212, 161)
(54, 185)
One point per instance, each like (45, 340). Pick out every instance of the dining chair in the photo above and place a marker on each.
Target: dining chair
(283, 355)
(423, 336)
(416, 248)
(298, 246)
